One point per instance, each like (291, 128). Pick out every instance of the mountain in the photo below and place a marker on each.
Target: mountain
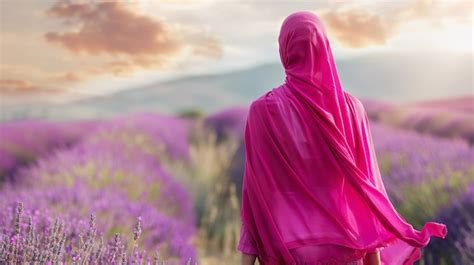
(394, 77)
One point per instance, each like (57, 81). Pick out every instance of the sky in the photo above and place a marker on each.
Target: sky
(66, 50)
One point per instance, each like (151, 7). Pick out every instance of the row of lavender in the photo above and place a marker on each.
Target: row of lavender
(431, 178)
(449, 118)
(22, 142)
(110, 169)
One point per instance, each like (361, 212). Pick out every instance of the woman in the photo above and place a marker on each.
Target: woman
(312, 191)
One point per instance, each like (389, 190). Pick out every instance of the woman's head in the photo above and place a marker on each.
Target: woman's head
(304, 49)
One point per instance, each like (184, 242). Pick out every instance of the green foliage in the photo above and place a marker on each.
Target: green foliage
(215, 199)
(195, 112)
(422, 201)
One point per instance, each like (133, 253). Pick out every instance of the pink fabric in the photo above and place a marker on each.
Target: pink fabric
(311, 175)
(311, 254)
(246, 243)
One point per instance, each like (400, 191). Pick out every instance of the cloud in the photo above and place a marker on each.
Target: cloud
(206, 45)
(436, 12)
(110, 28)
(359, 27)
(17, 86)
(23, 78)
(68, 77)
(113, 30)
(124, 67)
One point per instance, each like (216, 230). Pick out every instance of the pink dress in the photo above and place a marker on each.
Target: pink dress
(310, 254)
(312, 190)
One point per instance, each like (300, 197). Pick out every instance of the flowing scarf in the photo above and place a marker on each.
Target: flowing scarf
(311, 174)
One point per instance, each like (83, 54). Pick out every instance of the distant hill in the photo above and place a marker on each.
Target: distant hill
(387, 77)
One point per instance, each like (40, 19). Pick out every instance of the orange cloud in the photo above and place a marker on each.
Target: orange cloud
(109, 28)
(209, 47)
(357, 27)
(13, 77)
(15, 86)
(119, 68)
(68, 77)
(436, 12)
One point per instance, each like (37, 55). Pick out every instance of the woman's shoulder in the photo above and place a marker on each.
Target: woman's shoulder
(262, 100)
(354, 101)
(357, 109)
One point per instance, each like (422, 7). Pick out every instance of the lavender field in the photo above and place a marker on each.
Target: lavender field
(449, 118)
(122, 121)
(147, 188)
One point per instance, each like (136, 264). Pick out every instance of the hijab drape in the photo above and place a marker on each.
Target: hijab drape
(311, 174)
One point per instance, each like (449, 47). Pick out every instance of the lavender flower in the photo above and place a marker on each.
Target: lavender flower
(458, 247)
(48, 247)
(22, 142)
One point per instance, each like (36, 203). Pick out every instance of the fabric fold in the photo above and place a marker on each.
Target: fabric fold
(311, 174)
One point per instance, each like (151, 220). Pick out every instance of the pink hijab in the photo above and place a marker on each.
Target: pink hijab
(311, 174)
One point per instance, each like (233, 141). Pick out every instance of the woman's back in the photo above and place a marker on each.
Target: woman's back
(324, 185)
(312, 189)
